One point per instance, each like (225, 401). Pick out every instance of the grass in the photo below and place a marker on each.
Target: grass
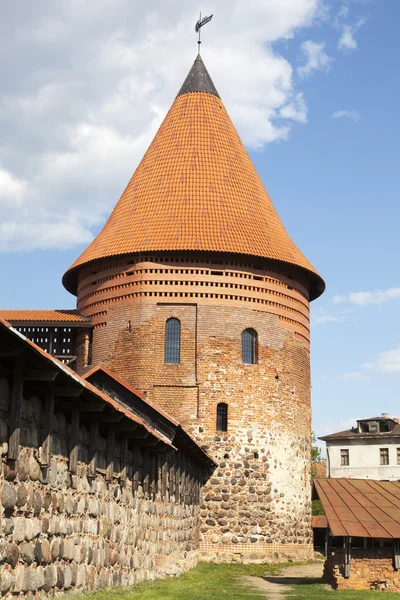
(205, 582)
(316, 591)
(209, 581)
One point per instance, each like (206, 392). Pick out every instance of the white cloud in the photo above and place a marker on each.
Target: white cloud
(12, 189)
(353, 376)
(89, 96)
(367, 298)
(346, 114)
(386, 362)
(296, 110)
(315, 58)
(347, 40)
(321, 316)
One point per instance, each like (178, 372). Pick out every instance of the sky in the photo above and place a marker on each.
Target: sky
(312, 87)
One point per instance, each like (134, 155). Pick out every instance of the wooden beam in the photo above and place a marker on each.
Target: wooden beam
(73, 455)
(171, 478)
(177, 476)
(93, 439)
(153, 474)
(150, 442)
(45, 454)
(164, 476)
(137, 468)
(124, 460)
(183, 478)
(16, 407)
(108, 417)
(396, 554)
(126, 426)
(39, 375)
(347, 556)
(146, 472)
(139, 434)
(89, 407)
(110, 455)
(11, 350)
(68, 391)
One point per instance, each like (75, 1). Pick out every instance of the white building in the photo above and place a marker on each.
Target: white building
(371, 450)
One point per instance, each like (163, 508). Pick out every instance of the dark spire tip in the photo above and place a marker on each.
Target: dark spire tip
(198, 79)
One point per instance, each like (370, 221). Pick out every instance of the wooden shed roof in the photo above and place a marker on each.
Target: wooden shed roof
(13, 343)
(361, 507)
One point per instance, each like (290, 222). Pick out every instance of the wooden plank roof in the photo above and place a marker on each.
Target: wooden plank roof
(361, 507)
(175, 438)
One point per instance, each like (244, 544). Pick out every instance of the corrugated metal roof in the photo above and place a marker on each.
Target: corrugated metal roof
(319, 522)
(361, 507)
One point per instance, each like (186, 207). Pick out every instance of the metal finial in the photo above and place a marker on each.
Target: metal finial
(199, 25)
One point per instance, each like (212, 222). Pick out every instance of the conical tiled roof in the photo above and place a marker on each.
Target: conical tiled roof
(195, 189)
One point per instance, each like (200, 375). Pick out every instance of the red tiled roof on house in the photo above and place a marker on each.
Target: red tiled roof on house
(354, 434)
(196, 189)
(27, 316)
(361, 508)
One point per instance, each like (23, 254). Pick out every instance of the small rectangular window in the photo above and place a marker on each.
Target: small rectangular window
(398, 456)
(222, 417)
(384, 456)
(344, 458)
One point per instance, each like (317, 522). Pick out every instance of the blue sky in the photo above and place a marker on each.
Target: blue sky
(318, 111)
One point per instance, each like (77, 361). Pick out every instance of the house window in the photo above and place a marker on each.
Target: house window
(384, 456)
(398, 456)
(249, 347)
(172, 341)
(344, 458)
(222, 416)
(384, 426)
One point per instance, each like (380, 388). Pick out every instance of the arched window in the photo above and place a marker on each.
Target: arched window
(249, 346)
(222, 416)
(172, 341)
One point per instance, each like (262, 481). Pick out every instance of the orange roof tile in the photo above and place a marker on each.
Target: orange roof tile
(195, 189)
(43, 315)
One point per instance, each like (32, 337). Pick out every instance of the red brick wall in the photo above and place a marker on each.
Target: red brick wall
(369, 569)
(257, 503)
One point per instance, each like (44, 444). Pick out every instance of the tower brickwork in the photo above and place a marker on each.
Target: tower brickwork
(196, 239)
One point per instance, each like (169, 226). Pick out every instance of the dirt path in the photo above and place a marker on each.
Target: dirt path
(277, 588)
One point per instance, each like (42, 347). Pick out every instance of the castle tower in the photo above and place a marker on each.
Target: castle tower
(199, 297)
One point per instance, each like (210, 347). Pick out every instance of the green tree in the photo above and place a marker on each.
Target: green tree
(316, 458)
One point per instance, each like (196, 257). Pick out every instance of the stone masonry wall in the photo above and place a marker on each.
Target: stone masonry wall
(257, 505)
(62, 532)
(370, 568)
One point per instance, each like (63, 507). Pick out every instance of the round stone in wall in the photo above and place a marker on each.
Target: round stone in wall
(8, 497)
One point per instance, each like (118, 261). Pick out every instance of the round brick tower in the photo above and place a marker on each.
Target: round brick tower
(199, 298)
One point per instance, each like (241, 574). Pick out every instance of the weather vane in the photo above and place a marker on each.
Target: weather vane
(200, 24)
